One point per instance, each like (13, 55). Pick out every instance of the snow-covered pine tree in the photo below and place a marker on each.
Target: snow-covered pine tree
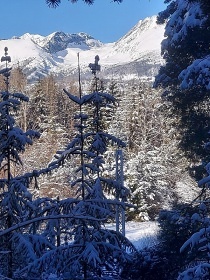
(15, 199)
(22, 236)
(199, 242)
(86, 248)
(186, 71)
(94, 189)
(151, 151)
(186, 76)
(198, 245)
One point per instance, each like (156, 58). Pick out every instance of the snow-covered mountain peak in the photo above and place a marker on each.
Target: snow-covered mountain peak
(145, 36)
(34, 37)
(135, 54)
(59, 41)
(143, 25)
(147, 23)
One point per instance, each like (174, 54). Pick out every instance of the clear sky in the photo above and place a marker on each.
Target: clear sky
(105, 20)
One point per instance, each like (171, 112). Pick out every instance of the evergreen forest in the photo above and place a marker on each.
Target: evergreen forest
(75, 157)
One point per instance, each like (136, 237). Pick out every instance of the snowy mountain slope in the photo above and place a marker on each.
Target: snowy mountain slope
(34, 61)
(59, 41)
(137, 54)
(144, 37)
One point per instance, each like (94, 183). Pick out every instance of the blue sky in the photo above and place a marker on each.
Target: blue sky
(105, 20)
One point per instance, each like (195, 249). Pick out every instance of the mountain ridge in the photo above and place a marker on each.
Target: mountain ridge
(136, 55)
(59, 40)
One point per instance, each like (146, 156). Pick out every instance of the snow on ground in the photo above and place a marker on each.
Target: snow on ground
(141, 234)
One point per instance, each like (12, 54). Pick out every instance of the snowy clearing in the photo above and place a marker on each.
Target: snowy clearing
(141, 234)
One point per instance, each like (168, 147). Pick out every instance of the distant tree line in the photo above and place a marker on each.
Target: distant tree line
(140, 118)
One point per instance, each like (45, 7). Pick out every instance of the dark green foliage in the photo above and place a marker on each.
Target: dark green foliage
(164, 261)
(198, 244)
(191, 106)
(151, 264)
(180, 53)
(164, 15)
(192, 110)
(56, 3)
(176, 226)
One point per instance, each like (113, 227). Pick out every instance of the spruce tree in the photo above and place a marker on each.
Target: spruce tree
(16, 200)
(185, 75)
(22, 236)
(85, 248)
(199, 242)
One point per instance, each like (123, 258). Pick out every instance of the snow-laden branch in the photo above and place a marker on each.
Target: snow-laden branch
(198, 272)
(205, 180)
(196, 74)
(187, 15)
(73, 97)
(50, 217)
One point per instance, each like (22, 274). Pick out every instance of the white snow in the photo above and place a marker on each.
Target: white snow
(196, 74)
(143, 41)
(188, 14)
(139, 41)
(141, 234)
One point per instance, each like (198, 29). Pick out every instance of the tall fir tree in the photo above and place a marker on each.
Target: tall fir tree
(185, 75)
(16, 200)
(81, 245)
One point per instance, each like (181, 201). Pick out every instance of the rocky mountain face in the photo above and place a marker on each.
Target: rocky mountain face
(135, 56)
(59, 41)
